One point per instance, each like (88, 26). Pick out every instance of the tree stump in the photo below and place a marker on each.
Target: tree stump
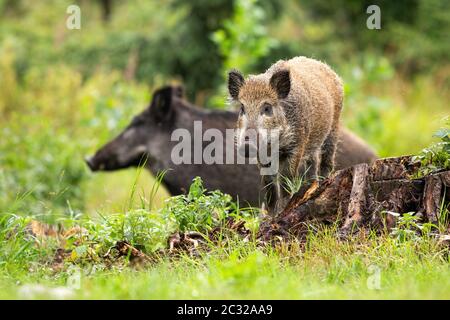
(361, 196)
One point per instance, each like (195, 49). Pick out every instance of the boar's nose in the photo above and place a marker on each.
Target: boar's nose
(248, 150)
(90, 162)
(250, 135)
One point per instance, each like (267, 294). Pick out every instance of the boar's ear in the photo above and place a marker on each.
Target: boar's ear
(281, 83)
(235, 82)
(161, 105)
(178, 91)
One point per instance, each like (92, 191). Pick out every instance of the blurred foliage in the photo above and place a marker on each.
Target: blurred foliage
(414, 34)
(48, 120)
(367, 113)
(242, 41)
(243, 38)
(155, 41)
(193, 54)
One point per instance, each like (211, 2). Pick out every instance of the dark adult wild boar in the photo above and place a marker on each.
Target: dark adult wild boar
(149, 135)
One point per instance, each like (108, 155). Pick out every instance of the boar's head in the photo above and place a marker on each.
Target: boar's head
(149, 130)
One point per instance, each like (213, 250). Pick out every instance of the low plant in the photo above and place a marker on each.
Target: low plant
(199, 209)
(437, 156)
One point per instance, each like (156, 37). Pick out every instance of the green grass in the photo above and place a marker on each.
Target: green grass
(397, 265)
(326, 269)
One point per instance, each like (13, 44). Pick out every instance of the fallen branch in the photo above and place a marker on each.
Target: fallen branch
(136, 256)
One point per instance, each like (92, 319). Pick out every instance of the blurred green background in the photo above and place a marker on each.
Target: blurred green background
(63, 93)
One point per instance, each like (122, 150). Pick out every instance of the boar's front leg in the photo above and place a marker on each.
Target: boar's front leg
(276, 197)
(307, 173)
(328, 153)
(309, 168)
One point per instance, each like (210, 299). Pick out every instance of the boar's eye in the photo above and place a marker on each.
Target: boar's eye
(266, 109)
(242, 110)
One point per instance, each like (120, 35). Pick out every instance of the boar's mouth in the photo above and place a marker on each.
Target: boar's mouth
(111, 164)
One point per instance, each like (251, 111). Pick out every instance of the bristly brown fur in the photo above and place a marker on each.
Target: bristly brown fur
(307, 98)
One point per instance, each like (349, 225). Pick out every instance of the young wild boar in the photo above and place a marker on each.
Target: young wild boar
(302, 99)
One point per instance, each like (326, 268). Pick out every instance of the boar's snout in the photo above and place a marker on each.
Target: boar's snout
(247, 146)
(97, 164)
(248, 150)
(90, 161)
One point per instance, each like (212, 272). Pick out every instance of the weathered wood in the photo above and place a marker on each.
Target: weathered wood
(358, 202)
(392, 168)
(445, 178)
(363, 195)
(136, 256)
(432, 198)
(327, 201)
